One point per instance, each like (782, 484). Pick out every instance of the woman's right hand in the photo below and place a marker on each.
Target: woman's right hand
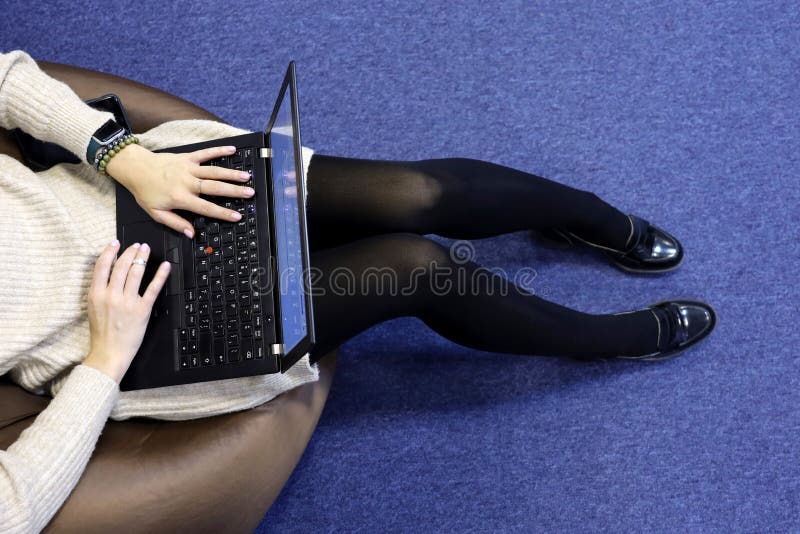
(118, 316)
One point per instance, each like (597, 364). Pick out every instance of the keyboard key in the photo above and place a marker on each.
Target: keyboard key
(244, 314)
(213, 228)
(185, 362)
(247, 330)
(232, 309)
(257, 333)
(202, 265)
(230, 294)
(202, 294)
(204, 345)
(241, 226)
(219, 350)
(247, 349)
(192, 332)
(216, 285)
(228, 251)
(202, 279)
(260, 353)
(204, 324)
(215, 241)
(229, 265)
(233, 339)
(233, 354)
(219, 330)
(216, 299)
(200, 222)
(194, 360)
(218, 315)
(193, 346)
(233, 325)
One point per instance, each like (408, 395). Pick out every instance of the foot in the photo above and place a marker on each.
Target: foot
(682, 324)
(649, 249)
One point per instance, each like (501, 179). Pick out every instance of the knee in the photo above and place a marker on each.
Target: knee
(415, 253)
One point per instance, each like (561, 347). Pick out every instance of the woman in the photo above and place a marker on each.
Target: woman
(72, 318)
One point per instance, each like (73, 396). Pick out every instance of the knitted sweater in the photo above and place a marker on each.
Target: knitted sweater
(53, 225)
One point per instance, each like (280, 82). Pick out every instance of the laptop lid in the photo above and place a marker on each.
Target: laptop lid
(291, 288)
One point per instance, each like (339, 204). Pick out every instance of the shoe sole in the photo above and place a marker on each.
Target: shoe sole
(676, 352)
(646, 271)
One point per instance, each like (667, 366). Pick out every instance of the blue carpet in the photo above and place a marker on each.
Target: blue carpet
(684, 112)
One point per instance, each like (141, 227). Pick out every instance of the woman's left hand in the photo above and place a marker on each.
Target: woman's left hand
(162, 182)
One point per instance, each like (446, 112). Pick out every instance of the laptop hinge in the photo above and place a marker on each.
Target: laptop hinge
(265, 153)
(277, 349)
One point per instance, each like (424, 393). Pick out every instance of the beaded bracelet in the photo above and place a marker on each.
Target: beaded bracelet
(106, 153)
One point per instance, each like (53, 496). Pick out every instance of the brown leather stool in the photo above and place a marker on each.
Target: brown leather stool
(219, 474)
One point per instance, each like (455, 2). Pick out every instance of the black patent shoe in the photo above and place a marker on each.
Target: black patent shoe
(682, 324)
(649, 250)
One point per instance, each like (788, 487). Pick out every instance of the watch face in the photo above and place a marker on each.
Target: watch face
(107, 131)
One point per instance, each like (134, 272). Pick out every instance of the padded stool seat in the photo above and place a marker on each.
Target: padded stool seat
(219, 474)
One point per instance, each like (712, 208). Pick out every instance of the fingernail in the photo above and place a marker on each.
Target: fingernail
(145, 247)
(230, 148)
(236, 215)
(136, 245)
(248, 191)
(188, 233)
(115, 243)
(165, 265)
(244, 175)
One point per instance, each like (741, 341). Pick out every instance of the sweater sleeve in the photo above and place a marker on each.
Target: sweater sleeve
(40, 469)
(45, 107)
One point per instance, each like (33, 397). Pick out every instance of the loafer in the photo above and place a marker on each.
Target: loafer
(685, 324)
(650, 249)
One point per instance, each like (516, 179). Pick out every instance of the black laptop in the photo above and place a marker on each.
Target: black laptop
(236, 302)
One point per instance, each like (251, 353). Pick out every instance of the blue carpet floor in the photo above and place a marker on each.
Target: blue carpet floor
(687, 113)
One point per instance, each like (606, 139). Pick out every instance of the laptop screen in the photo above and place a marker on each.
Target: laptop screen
(287, 226)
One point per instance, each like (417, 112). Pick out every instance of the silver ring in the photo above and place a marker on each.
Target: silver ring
(199, 186)
(140, 261)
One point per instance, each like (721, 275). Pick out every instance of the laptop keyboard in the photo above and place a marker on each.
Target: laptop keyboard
(222, 311)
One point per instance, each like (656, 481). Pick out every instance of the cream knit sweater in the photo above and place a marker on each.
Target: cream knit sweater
(53, 225)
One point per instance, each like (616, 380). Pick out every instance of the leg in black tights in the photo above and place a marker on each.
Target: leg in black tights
(375, 279)
(459, 198)
(455, 197)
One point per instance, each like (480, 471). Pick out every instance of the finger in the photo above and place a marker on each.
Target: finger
(102, 267)
(156, 284)
(220, 173)
(136, 271)
(121, 268)
(205, 154)
(224, 189)
(209, 209)
(174, 221)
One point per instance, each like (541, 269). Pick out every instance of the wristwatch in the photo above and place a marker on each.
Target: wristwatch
(104, 136)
